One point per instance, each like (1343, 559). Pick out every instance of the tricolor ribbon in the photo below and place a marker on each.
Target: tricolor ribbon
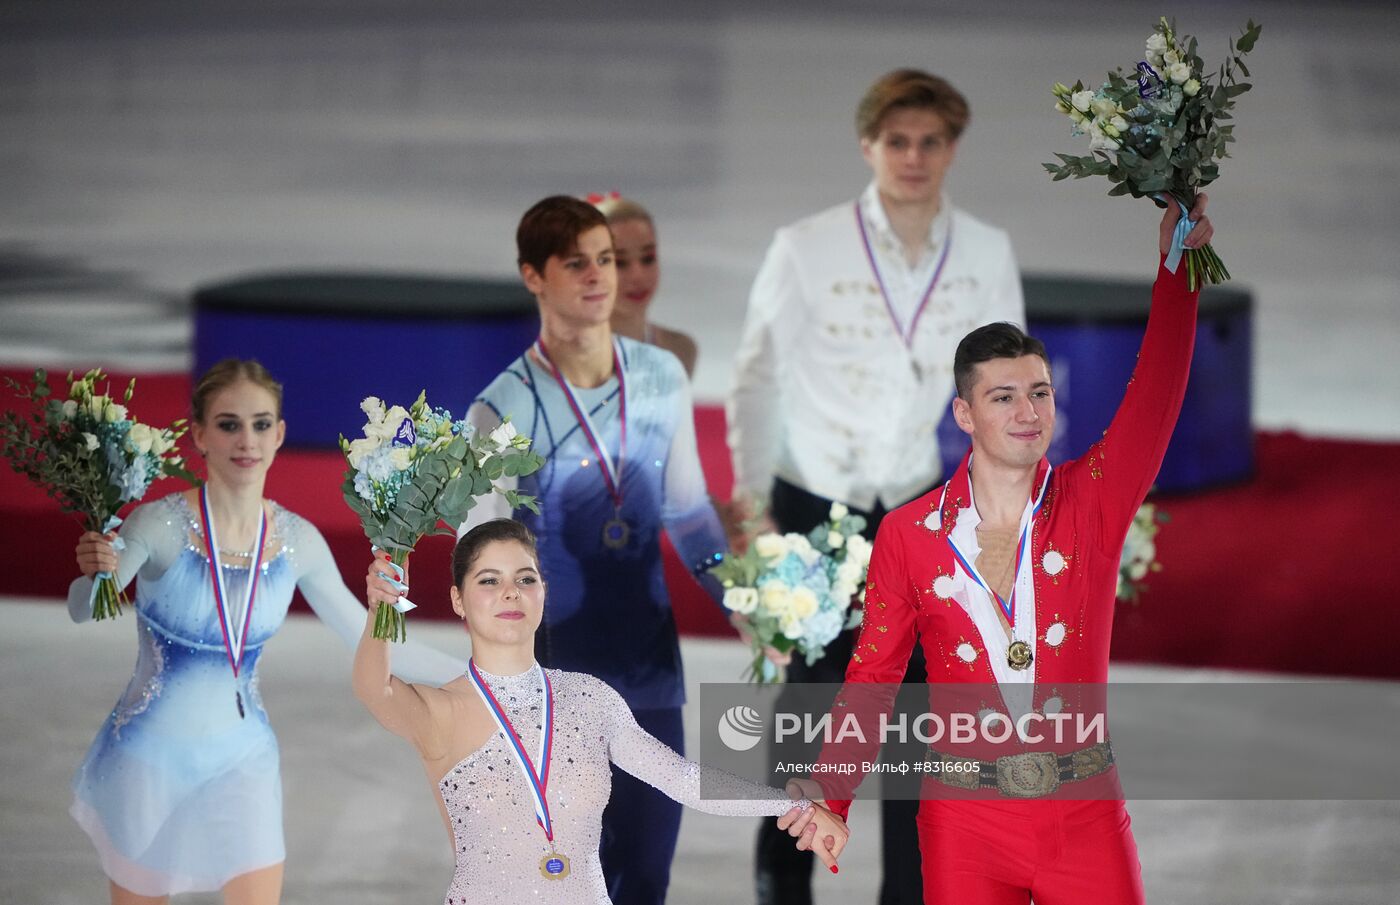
(612, 469)
(1008, 606)
(234, 634)
(906, 335)
(536, 772)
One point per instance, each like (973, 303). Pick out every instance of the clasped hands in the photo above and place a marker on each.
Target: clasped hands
(816, 829)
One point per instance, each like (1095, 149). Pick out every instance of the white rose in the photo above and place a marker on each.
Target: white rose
(775, 600)
(1119, 123)
(843, 591)
(1103, 107)
(1179, 72)
(848, 572)
(163, 443)
(95, 406)
(839, 511)
(1099, 140)
(373, 407)
(401, 457)
(858, 549)
(359, 449)
(1191, 88)
(380, 432)
(114, 412)
(503, 434)
(804, 603)
(1137, 571)
(1171, 57)
(770, 545)
(70, 408)
(836, 540)
(741, 600)
(1081, 100)
(791, 626)
(140, 438)
(1157, 44)
(90, 440)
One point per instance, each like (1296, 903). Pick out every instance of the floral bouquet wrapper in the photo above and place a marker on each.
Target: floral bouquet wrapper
(89, 454)
(1160, 130)
(797, 591)
(415, 468)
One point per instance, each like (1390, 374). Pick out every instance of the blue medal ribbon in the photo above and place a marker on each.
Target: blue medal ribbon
(537, 771)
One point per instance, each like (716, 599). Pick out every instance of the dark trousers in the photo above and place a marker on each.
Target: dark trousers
(641, 823)
(783, 875)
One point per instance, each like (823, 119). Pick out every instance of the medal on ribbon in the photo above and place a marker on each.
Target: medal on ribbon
(553, 866)
(1019, 655)
(234, 626)
(617, 531)
(905, 333)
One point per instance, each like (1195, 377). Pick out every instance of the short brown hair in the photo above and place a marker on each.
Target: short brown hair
(224, 375)
(552, 227)
(999, 340)
(470, 545)
(905, 89)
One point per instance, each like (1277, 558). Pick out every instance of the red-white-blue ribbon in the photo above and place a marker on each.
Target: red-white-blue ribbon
(906, 333)
(234, 634)
(536, 771)
(1008, 606)
(611, 468)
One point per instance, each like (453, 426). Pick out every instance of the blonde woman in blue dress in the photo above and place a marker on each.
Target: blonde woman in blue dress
(521, 757)
(181, 790)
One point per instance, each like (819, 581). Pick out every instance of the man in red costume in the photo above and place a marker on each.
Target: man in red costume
(1007, 574)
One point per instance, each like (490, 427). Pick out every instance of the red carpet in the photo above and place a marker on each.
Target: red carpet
(1255, 577)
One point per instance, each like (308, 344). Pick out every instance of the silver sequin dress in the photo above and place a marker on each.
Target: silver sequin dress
(498, 843)
(178, 792)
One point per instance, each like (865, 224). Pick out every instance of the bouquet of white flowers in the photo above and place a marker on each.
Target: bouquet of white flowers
(88, 454)
(417, 467)
(796, 590)
(1140, 552)
(1159, 130)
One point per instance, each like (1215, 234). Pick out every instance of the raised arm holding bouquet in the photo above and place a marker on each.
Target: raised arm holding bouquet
(1160, 130)
(417, 467)
(90, 455)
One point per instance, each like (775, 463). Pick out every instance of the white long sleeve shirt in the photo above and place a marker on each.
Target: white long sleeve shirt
(826, 394)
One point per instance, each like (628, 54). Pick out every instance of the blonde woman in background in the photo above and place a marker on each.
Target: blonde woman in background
(638, 273)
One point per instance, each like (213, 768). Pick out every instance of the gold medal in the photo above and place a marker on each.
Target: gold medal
(554, 866)
(1019, 656)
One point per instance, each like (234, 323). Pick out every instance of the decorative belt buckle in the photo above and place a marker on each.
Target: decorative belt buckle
(1032, 774)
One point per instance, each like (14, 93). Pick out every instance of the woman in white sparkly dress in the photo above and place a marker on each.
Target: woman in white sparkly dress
(181, 790)
(524, 753)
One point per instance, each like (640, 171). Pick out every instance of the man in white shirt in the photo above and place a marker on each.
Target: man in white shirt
(845, 371)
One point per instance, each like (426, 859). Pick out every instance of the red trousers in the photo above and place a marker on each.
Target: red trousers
(1008, 852)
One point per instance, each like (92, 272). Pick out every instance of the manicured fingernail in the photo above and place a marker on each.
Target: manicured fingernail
(835, 869)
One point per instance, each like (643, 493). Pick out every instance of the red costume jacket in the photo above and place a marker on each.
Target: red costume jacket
(1088, 507)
